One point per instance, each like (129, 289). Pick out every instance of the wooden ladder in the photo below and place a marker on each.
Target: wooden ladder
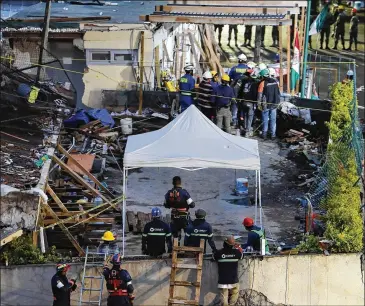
(198, 251)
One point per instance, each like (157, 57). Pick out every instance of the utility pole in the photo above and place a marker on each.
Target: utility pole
(305, 56)
(257, 52)
(141, 72)
(47, 16)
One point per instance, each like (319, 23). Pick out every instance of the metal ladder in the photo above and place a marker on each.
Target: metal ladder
(92, 260)
(178, 264)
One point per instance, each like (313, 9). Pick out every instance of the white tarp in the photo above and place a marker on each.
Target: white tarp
(191, 141)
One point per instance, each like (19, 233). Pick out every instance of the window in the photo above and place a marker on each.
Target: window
(112, 57)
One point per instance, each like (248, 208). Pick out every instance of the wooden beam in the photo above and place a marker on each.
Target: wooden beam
(192, 44)
(182, 59)
(62, 19)
(11, 237)
(281, 80)
(166, 52)
(288, 60)
(56, 199)
(73, 221)
(63, 228)
(79, 179)
(157, 67)
(89, 175)
(212, 20)
(141, 70)
(227, 9)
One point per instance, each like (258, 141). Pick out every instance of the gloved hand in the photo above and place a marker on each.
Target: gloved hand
(192, 205)
(74, 285)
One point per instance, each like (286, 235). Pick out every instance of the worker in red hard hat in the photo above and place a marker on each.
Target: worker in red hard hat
(255, 234)
(62, 286)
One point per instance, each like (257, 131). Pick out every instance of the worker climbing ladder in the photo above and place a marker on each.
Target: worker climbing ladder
(92, 285)
(178, 264)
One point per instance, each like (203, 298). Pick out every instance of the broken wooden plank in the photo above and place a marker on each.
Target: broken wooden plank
(10, 236)
(85, 160)
(89, 125)
(56, 199)
(89, 175)
(64, 229)
(106, 221)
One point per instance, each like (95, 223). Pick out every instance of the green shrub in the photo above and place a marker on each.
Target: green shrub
(310, 245)
(343, 219)
(21, 251)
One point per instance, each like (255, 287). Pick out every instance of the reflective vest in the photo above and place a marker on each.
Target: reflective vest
(261, 234)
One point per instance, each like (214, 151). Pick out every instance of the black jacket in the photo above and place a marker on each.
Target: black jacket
(197, 230)
(155, 234)
(227, 259)
(61, 289)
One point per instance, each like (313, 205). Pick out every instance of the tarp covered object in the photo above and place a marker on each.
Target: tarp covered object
(79, 118)
(191, 141)
(103, 115)
(82, 117)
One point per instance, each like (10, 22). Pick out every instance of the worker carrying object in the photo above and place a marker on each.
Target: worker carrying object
(227, 259)
(255, 234)
(179, 200)
(223, 96)
(62, 286)
(187, 86)
(155, 235)
(118, 284)
(200, 229)
(108, 246)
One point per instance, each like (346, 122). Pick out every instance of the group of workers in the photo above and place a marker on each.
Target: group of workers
(338, 19)
(157, 240)
(233, 99)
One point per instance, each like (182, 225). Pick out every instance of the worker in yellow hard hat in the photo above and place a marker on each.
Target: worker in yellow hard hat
(215, 78)
(223, 97)
(108, 245)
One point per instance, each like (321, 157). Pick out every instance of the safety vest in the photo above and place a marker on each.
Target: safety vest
(115, 285)
(261, 234)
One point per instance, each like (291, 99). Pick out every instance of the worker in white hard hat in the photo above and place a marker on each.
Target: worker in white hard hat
(205, 93)
(349, 77)
(187, 86)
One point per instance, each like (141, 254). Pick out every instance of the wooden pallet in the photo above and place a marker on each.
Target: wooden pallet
(176, 265)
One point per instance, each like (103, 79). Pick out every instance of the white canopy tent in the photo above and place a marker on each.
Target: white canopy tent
(191, 142)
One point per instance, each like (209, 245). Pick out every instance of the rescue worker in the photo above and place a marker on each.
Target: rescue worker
(326, 30)
(275, 36)
(118, 283)
(223, 96)
(62, 286)
(354, 29)
(228, 282)
(268, 99)
(108, 246)
(219, 27)
(248, 35)
(179, 200)
(215, 80)
(155, 235)
(186, 86)
(233, 28)
(349, 77)
(340, 27)
(200, 229)
(248, 93)
(255, 234)
(205, 92)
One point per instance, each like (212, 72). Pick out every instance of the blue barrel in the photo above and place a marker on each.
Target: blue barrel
(23, 90)
(241, 186)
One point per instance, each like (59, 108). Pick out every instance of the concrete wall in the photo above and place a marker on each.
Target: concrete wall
(293, 280)
(116, 77)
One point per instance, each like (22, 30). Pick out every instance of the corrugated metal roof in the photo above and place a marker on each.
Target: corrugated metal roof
(222, 15)
(124, 12)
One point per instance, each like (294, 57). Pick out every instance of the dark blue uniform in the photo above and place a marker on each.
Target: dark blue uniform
(119, 286)
(186, 86)
(227, 259)
(155, 235)
(253, 239)
(223, 95)
(237, 72)
(179, 200)
(61, 289)
(199, 229)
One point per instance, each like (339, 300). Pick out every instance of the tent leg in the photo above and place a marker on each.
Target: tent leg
(256, 191)
(260, 204)
(124, 205)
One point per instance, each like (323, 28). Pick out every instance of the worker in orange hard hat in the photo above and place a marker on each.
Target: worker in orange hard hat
(255, 234)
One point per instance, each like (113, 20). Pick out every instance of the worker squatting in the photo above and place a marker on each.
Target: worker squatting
(157, 240)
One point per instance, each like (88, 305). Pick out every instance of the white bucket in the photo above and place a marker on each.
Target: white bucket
(126, 125)
(241, 186)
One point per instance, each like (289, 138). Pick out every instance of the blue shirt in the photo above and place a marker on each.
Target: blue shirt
(253, 239)
(222, 95)
(238, 71)
(186, 86)
(199, 229)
